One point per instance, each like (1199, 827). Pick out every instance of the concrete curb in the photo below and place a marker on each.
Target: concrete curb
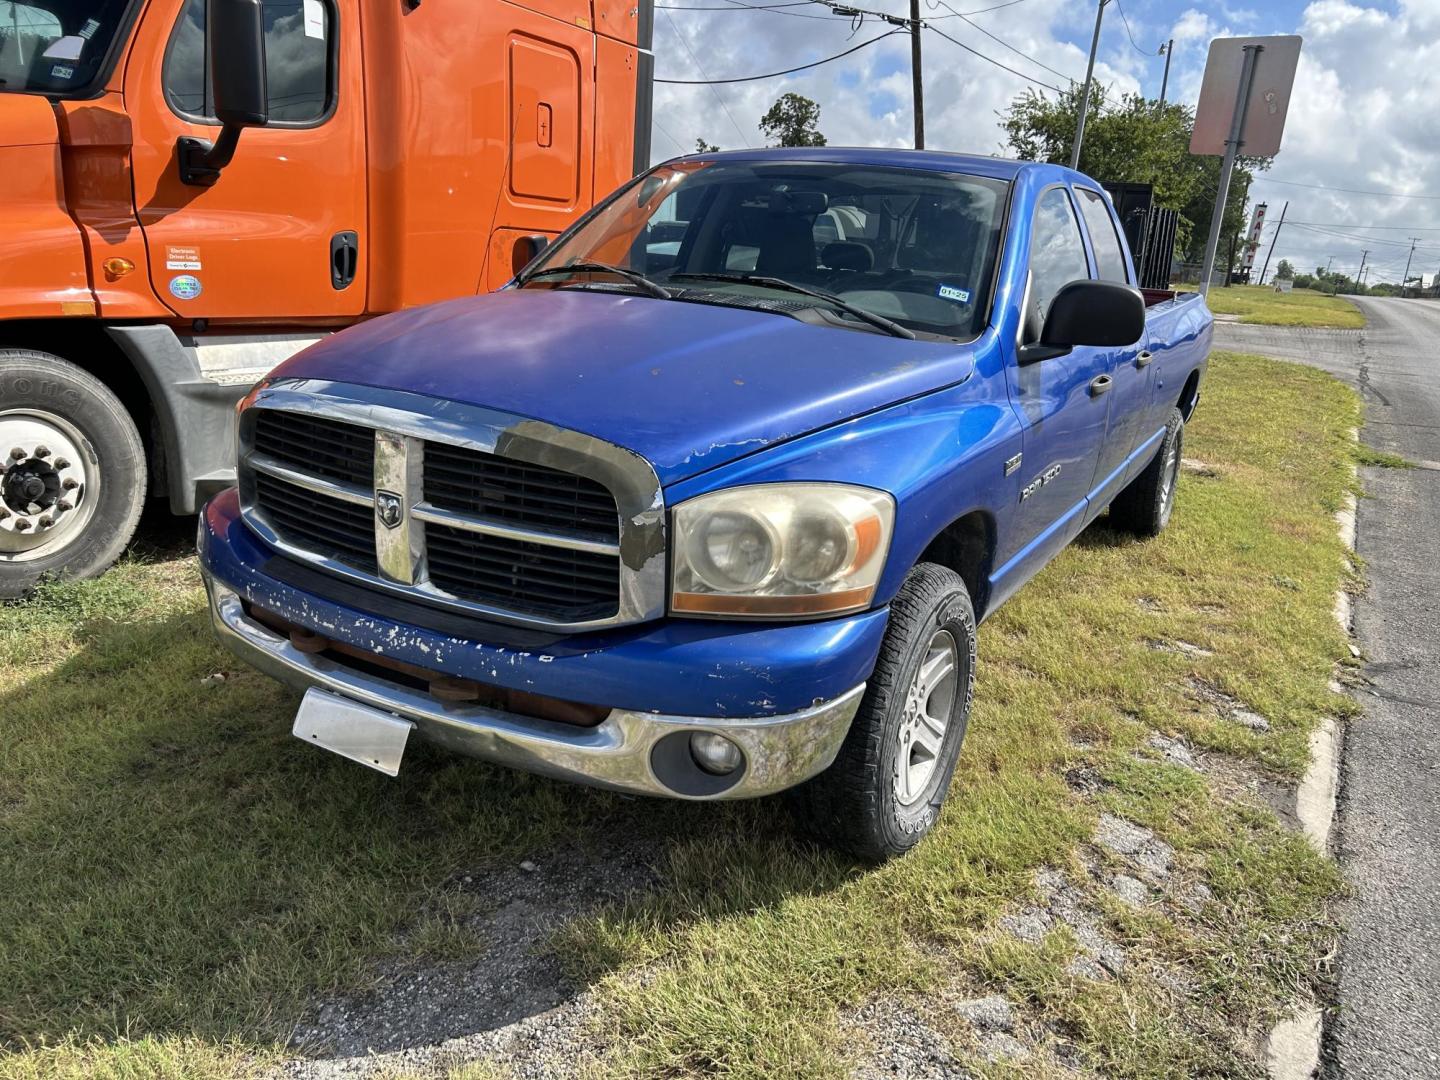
(1292, 1049)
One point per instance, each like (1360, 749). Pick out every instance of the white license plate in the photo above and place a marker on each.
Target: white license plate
(358, 732)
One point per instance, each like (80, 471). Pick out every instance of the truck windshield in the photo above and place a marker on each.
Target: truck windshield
(916, 248)
(56, 46)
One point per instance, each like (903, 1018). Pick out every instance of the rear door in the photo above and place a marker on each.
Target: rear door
(1061, 401)
(281, 233)
(1129, 366)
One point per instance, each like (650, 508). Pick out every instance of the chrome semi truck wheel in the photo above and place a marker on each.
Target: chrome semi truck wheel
(72, 472)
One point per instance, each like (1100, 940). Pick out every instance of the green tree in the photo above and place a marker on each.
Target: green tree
(1285, 271)
(1134, 140)
(703, 147)
(793, 121)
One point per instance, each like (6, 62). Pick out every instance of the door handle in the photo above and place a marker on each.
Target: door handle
(344, 258)
(1101, 384)
(1144, 358)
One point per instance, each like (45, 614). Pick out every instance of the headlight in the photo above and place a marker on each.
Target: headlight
(780, 550)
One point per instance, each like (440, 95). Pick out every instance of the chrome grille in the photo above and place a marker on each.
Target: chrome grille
(474, 521)
(337, 529)
(538, 497)
(317, 446)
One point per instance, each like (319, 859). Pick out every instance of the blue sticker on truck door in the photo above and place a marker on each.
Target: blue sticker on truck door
(185, 287)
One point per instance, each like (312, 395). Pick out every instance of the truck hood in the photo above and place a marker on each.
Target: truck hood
(688, 386)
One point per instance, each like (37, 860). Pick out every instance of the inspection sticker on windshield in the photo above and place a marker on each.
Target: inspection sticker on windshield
(88, 30)
(61, 71)
(950, 292)
(314, 19)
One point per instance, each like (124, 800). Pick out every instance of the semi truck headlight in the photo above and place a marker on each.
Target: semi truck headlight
(780, 550)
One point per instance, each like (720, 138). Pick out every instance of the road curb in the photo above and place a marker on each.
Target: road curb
(1292, 1049)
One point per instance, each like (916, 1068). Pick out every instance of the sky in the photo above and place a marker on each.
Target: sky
(1365, 115)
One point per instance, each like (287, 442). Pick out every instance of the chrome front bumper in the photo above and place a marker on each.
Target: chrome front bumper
(622, 752)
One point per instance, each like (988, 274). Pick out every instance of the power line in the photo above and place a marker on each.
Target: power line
(736, 6)
(698, 67)
(678, 145)
(1347, 191)
(777, 74)
(1001, 41)
(1123, 19)
(997, 63)
(1344, 225)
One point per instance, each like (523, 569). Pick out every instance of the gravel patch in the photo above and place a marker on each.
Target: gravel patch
(998, 1046)
(512, 996)
(1064, 904)
(1132, 890)
(1230, 707)
(1177, 646)
(1173, 750)
(896, 1041)
(992, 1013)
(1151, 854)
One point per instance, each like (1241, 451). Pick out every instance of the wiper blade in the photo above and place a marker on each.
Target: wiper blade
(789, 286)
(650, 288)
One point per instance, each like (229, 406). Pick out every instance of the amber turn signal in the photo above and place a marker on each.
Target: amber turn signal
(118, 267)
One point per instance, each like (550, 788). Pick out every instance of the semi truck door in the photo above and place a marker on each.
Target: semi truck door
(281, 234)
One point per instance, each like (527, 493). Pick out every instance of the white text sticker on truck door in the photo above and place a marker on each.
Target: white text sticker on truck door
(182, 258)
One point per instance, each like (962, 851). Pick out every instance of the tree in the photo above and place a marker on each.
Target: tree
(1136, 141)
(793, 121)
(1285, 271)
(703, 147)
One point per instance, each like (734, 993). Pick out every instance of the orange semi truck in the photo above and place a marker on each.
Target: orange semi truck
(196, 189)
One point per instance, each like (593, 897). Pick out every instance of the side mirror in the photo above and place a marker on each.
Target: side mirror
(1098, 313)
(235, 51)
(526, 250)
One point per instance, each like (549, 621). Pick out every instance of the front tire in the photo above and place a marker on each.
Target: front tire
(1145, 506)
(885, 789)
(72, 472)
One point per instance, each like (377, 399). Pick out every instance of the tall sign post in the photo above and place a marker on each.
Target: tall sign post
(1243, 102)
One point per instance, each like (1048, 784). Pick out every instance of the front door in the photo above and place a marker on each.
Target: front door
(1062, 402)
(281, 234)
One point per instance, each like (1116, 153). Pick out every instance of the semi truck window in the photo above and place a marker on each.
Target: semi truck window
(1108, 253)
(55, 46)
(299, 62)
(1057, 255)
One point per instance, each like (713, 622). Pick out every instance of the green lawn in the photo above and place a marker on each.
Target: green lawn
(1300, 307)
(181, 875)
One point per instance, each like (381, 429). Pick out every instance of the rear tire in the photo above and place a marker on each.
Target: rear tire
(885, 789)
(72, 472)
(1144, 507)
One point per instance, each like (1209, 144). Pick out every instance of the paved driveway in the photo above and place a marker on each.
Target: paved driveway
(1388, 1023)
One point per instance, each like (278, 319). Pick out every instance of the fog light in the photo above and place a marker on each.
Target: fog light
(715, 754)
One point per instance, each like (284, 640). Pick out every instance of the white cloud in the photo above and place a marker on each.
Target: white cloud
(1363, 115)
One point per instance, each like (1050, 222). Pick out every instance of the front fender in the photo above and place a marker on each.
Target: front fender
(941, 456)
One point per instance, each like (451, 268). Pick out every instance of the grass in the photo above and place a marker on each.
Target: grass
(1299, 307)
(181, 877)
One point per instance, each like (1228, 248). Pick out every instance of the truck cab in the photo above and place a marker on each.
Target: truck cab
(197, 189)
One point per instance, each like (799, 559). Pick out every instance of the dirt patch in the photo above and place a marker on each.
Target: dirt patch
(512, 996)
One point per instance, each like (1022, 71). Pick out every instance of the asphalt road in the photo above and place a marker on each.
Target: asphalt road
(1388, 1021)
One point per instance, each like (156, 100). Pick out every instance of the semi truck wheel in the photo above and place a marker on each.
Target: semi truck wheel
(886, 786)
(72, 472)
(1144, 507)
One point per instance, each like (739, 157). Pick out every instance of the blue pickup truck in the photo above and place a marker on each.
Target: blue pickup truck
(709, 500)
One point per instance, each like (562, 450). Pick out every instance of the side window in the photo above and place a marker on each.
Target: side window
(1057, 254)
(298, 75)
(1109, 255)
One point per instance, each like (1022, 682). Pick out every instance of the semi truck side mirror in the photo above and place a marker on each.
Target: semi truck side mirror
(526, 250)
(235, 46)
(1098, 313)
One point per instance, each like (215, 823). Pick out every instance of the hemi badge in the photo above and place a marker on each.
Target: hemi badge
(1012, 464)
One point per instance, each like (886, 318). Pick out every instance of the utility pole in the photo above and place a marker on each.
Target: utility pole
(1405, 277)
(1359, 278)
(1227, 165)
(916, 84)
(1169, 50)
(1273, 240)
(1084, 94)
